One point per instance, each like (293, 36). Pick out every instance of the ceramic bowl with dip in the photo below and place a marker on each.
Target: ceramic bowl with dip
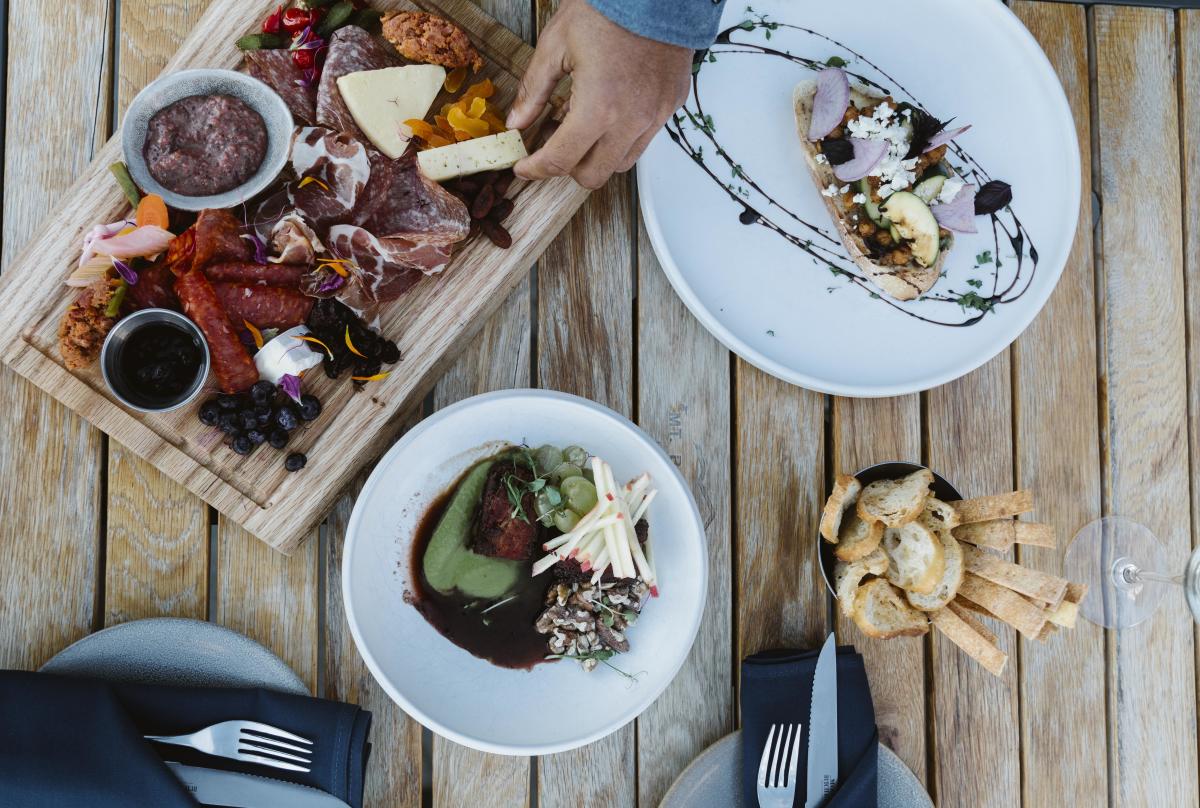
(155, 360)
(206, 138)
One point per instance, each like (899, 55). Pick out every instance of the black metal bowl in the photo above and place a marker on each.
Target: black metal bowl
(891, 470)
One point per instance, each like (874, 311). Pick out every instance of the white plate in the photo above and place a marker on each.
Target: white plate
(767, 299)
(714, 780)
(175, 651)
(556, 706)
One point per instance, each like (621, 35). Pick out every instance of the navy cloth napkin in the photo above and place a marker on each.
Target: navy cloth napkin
(67, 742)
(777, 689)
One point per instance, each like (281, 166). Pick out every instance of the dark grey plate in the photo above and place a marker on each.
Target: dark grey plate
(172, 87)
(714, 780)
(174, 651)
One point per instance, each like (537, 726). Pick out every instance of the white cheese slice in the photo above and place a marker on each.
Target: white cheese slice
(382, 100)
(489, 153)
(286, 354)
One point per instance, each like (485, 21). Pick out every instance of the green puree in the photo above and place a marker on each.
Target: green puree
(448, 562)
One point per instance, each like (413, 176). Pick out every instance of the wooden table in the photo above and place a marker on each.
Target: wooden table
(1089, 408)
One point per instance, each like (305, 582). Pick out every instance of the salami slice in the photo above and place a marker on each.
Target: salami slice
(400, 202)
(231, 362)
(155, 288)
(275, 69)
(264, 306)
(351, 49)
(284, 275)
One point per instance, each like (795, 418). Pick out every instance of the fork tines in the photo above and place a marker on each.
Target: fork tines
(780, 757)
(261, 743)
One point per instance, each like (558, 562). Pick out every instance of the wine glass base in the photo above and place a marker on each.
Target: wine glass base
(1107, 555)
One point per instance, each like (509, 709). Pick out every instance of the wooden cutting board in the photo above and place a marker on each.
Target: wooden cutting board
(430, 324)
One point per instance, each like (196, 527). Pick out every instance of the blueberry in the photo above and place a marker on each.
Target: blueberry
(230, 424)
(287, 417)
(210, 413)
(256, 437)
(227, 401)
(248, 419)
(242, 445)
(278, 438)
(262, 392)
(295, 461)
(389, 354)
(310, 408)
(263, 414)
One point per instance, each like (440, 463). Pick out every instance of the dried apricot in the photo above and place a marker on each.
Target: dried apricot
(454, 80)
(477, 108)
(462, 122)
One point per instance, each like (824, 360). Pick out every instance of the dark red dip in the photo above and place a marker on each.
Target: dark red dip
(205, 144)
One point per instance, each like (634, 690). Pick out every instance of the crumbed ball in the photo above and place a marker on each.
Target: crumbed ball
(423, 37)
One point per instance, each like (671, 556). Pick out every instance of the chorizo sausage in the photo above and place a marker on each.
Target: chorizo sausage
(231, 361)
(264, 306)
(287, 275)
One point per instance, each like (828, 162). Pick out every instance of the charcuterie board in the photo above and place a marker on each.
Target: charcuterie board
(429, 324)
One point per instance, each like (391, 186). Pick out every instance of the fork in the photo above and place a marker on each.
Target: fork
(777, 785)
(244, 741)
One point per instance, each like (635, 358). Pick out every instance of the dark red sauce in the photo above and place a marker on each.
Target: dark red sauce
(205, 144)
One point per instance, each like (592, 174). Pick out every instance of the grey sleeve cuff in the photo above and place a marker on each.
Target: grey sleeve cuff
(687, 23)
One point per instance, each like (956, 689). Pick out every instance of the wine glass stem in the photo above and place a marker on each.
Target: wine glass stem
(1133, 575)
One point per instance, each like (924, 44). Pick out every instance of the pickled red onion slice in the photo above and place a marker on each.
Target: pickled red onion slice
(829, 103)
(945, 136)
(867, 155)
(959, 213)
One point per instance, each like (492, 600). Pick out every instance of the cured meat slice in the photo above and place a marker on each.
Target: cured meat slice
(284, 275)
(231, 362)
(218, 237)
(351, 49)
(380, 270)
(155, 288)
(264, 306)
(275, 69)
(341, 170)
(295, 242)
(400, 202)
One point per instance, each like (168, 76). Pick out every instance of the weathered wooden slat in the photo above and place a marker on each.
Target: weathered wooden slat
(498, 358)
(683, 402)
(269, 597)
(779, 475)
(1152, 699)
(975, 714)
(50, 459)
(157, 550)
(585, 329)
(394, 771)
(1058, 457)
(865, 432)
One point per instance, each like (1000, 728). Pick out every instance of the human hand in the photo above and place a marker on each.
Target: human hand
(624, 88)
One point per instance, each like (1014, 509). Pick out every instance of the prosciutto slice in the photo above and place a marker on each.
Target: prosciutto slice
(342, 168)
(294, 241)
(351, 49)
(275, 69)
(401, 203)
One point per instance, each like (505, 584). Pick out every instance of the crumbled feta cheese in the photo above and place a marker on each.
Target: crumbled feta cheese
(860, 199)
(950, 189)
(895, 172)
(831, 191)
(821, 159)
(843, 189)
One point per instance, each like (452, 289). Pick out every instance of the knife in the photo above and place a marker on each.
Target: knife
(236, 790)
(822, 728)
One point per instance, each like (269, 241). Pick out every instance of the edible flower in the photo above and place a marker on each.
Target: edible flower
(313, 181)
(331, 284)
(127, 273)
(255, 334)
(350, 345)
(260, 249)
(338, 265)
(291, 385)
(376, 378)
(316, 341)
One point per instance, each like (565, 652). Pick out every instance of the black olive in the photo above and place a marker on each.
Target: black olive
(295, 461)
(287, 417)
(248, 419)
(227, 401)
(278, 438)
(330, 368)
(310, 408)
(368, 367)
(262, 392)
(389, 354)
(230, 424)
(242, 445)
(256, 437)
(210, 413)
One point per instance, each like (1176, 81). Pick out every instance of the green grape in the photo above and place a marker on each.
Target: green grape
(566, 520)
(547, 457)
(589, 475)
(576, 455)
(565, 470)
(580, 494)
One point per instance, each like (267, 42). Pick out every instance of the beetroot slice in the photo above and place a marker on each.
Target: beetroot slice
(944, 137)
(959, 213)
(829, 103)
(867, 155)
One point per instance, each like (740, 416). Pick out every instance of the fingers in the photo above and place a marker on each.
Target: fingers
(563, 151)
(639, 146)
(605, 158)
(537, 85)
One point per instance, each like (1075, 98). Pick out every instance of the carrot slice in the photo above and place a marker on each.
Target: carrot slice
(152, 210)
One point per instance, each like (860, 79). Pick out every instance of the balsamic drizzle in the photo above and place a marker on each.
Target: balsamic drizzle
(822, 245)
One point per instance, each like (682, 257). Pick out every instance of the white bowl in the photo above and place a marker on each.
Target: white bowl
(172, 87)
(555, 706)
